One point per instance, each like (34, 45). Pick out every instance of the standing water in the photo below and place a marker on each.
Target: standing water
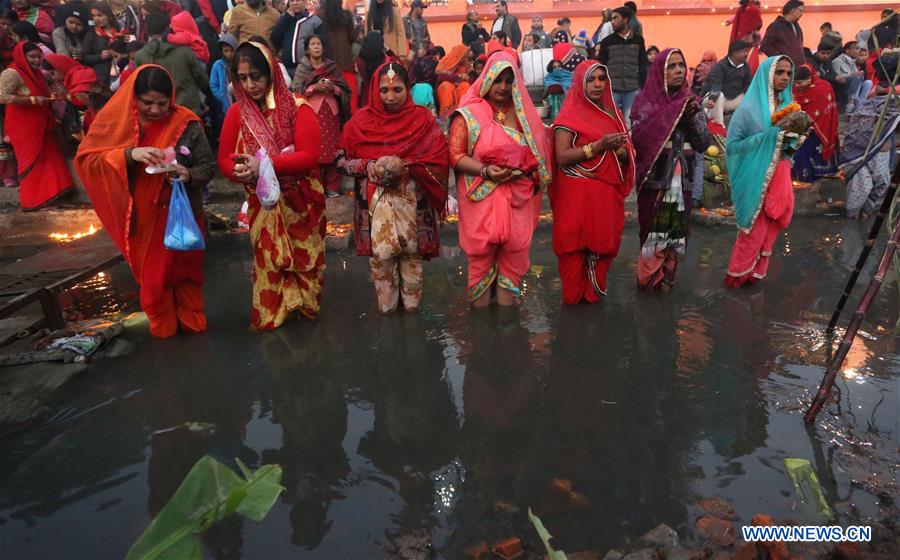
(444, 427)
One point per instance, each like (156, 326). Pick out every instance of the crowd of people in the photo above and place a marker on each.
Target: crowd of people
(302, 97)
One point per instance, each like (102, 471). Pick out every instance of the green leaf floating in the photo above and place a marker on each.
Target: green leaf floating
(800, 471)
(545, 537)
(210, 492)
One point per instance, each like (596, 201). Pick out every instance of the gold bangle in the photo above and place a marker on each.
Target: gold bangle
(588, 152)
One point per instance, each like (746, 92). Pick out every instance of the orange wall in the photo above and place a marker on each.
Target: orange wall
(693, 33)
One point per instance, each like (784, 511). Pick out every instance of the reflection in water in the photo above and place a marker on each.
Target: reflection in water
(446, 426)
(309, 404)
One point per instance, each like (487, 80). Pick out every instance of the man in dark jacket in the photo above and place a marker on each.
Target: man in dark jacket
(507, 23)
(624, 55)
(415, 25)
(291, 31)
(784, 36)
(727, 81)
(188, 72)
(474, 35)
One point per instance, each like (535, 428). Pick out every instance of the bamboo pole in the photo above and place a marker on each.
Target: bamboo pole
(853, 326)
(867, 248)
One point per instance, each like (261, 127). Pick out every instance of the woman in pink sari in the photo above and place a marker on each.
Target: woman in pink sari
(501, 153)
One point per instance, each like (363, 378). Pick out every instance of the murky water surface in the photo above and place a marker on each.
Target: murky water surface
(448, 425)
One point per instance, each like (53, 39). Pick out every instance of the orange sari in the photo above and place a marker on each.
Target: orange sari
(133, 206)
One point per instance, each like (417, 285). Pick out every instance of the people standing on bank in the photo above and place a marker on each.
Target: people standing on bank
(623, 53)
(129, 134)
(384, 16)
(96, 51)
(321, 82)
(398, 155)
(758, 153)
(634, 22)
(186, 69)
(289, 238)
(727, 82)
(415, 26)
(253, 17)
(817, 156)
(507, 23)
(474, 35)
(746, 26)
(669, 130)
(537, 29)
(499, 205)
(29, 125)
(68, 38)
(339, 35)
(595, 173)
(784, 35)
(294, 27)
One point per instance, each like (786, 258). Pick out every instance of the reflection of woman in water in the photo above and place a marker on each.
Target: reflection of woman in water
(500, 398)
(310, 407)
(415, 430)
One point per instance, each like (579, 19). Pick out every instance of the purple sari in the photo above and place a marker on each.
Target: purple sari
(655, 114)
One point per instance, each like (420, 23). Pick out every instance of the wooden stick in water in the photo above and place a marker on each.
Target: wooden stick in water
(867, 248)
(853, 327)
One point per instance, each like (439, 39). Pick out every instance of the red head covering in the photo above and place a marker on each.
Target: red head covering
(590, 121)
(818, 101)
(186, 33)
(411, 134)
(79, 80)
(61, 62)
(33, 79)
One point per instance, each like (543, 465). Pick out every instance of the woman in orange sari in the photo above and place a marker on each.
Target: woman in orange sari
(129, 134)
(43, 174)
(289, 238)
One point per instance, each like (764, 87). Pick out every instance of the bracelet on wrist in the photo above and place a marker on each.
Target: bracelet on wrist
(588, 152)
(484, 174)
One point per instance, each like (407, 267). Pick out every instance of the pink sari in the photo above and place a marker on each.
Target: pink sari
(496, 222)
(750, 257)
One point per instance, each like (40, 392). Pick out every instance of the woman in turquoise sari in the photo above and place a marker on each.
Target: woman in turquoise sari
(764, 131)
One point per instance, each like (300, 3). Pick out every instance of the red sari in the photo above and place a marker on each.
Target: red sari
(133, 206)
(288, 239)
(43, 174)
(588, 198)
(818, 101)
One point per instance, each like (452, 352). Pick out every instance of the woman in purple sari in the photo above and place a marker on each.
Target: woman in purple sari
(668, 129)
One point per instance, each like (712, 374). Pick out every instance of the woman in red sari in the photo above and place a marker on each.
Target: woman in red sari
(818, 155)
(745, 26)
(43, 174)
(595, 172)
(129, 134)
(289, 238)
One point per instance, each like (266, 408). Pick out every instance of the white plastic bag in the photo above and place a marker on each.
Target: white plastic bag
(534, 66)
(268, 190)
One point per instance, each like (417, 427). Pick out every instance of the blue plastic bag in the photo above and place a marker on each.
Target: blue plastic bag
(182, 231)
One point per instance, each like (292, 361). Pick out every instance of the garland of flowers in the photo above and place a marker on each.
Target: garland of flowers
(792, 107)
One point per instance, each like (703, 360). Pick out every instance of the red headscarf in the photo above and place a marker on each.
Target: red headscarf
(747, 19)
(819, 103)
(34, 79)
(61, 62)
(411, 134)
(590, 121)
(79, 80)
(186, 33)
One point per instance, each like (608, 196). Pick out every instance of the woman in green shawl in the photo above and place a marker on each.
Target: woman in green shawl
(765, 130)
